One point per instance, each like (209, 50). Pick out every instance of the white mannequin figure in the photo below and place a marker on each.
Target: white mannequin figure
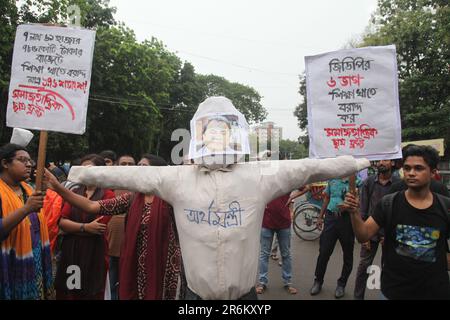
(218, 207)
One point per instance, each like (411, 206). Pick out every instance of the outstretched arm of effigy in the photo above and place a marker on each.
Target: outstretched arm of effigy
(286, 175)
(146, 180)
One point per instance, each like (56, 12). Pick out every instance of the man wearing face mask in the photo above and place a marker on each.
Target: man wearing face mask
(373, 189)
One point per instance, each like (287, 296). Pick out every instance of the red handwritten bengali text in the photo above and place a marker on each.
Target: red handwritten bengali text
(37, 100)
(346, 81)
(66, 84)
(355, 136)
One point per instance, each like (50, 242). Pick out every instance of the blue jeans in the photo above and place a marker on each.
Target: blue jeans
(284, 243)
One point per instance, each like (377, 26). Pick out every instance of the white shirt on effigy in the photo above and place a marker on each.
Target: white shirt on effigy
(219, 213)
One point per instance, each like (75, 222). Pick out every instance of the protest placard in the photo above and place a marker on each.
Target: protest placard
(50, 78)
(353, 105)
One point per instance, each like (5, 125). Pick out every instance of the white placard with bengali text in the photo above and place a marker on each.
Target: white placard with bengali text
(50, 78)
(353, 105)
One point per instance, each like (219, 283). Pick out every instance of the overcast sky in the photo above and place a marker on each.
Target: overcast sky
(258, 43)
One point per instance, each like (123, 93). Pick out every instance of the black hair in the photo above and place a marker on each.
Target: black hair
(125, 155)
(155, 161)
(407, 146)
(75, 162)
(8, 152)
(95, 158)
(429, 154)
(109, 154)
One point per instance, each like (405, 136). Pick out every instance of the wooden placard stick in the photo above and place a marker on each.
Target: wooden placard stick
(43, 137)
(352, 184)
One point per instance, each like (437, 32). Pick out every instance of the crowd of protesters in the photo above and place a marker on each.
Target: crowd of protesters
(126, 245)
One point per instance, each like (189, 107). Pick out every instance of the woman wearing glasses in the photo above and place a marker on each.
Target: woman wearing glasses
(25, 258)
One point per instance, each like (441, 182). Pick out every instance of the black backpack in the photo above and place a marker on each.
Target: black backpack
(388, 201)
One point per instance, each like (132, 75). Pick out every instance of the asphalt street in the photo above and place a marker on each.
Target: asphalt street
(304, 257)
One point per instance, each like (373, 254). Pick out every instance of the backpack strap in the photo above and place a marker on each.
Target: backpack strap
(387, 203)
(445, 205)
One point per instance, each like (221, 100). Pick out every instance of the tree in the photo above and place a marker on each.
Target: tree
(246, 99)
(301, 112)
(139, 94)
(185, 96)
(94, 14)
(190, 89)
(420, 29)
(10, 17)
(131, 84)
(292, 150)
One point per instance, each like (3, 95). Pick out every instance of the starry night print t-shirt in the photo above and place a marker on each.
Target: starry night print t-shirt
(415, 261)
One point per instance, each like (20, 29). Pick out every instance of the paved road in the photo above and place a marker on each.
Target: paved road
(304, 257)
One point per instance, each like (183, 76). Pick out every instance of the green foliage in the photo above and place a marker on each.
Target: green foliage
(95, 13)
(190, 89)
(10, 16)
(130, 81)
(420, 30)
(245, 99)
(140, 92)
(292, 150)
(60, 146)
(301, 112)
